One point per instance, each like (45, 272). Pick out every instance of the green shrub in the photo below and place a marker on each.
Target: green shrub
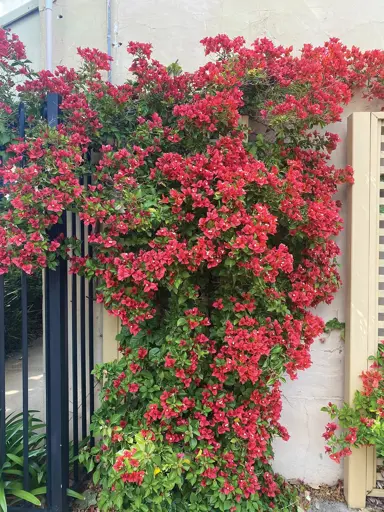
(12, 471)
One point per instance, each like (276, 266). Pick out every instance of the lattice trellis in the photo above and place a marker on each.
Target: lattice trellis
(378, 490)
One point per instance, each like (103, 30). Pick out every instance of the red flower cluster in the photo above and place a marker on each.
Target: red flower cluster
(361, 422)
(126, 464)
(214, 242)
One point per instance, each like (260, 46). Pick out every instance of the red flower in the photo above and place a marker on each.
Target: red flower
(133, 388)
(142, 353)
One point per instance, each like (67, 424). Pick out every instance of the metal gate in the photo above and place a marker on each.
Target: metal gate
(68, 346)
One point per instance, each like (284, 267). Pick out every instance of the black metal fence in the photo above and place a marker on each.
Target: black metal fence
(68, 330)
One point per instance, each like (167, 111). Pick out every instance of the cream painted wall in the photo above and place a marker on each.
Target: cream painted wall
(175, 27)
(9, 5)
(28, 29)
(303, 456)
(22, 16)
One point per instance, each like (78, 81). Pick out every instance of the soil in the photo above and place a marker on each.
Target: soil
(326, 493)
(309, 495)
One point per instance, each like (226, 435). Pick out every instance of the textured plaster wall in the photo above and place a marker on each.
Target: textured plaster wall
(9, 5)
(303, 456)
(28, 29)
(175, 27)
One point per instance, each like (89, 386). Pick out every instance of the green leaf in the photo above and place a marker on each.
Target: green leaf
(26, 496)
(74, 494)
(15, 458)
(3, 502)
(96, 476)
(154, 352)
(39, 491)
(17, 472)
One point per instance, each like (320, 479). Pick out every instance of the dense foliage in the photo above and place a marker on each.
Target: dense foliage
(12, 471)
(210, 244)
(362, 422)
(12, 480)
(12, 52)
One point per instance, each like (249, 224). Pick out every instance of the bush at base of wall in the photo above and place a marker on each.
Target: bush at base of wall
(362, 423)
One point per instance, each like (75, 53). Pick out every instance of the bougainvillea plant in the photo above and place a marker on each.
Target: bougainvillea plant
(362, 423)
(212, 242)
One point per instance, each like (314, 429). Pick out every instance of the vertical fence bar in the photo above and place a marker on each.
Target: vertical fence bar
(2, 365)
(91, 336)
(83, 367)
(24, 344)
(91, 353)
(75, 390)
(2, 374)
(57, 364)
(48, 378)
(24, 341)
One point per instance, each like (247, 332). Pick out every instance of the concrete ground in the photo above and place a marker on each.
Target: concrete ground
(332, 506)
(36, 381)
(36, 384)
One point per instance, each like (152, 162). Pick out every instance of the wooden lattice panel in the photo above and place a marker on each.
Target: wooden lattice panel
(378, 490)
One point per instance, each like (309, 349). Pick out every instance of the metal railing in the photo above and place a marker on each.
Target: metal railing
(61, 311)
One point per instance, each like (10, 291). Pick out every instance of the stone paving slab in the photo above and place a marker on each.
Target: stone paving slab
(333, 506)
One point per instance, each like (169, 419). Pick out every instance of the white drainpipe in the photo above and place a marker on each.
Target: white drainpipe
(48, 34)
(109, 36)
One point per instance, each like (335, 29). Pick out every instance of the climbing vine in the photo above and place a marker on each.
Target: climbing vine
(212, 242)
(335, 325)
(362, 422)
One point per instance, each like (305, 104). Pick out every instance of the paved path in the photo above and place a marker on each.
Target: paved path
(36, 384)
(332, 506)
(36, 381)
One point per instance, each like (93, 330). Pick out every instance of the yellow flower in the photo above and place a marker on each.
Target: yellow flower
(156, 471)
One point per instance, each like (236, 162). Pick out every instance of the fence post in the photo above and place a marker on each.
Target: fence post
(57, 364)
(361, 334)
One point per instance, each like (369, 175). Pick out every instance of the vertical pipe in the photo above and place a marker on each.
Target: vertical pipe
(75, 390)
(48, 35)
(109, 36)
(2, 374)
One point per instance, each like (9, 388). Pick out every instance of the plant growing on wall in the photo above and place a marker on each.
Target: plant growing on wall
(14, 66)
(361, 423)
(210, 243)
